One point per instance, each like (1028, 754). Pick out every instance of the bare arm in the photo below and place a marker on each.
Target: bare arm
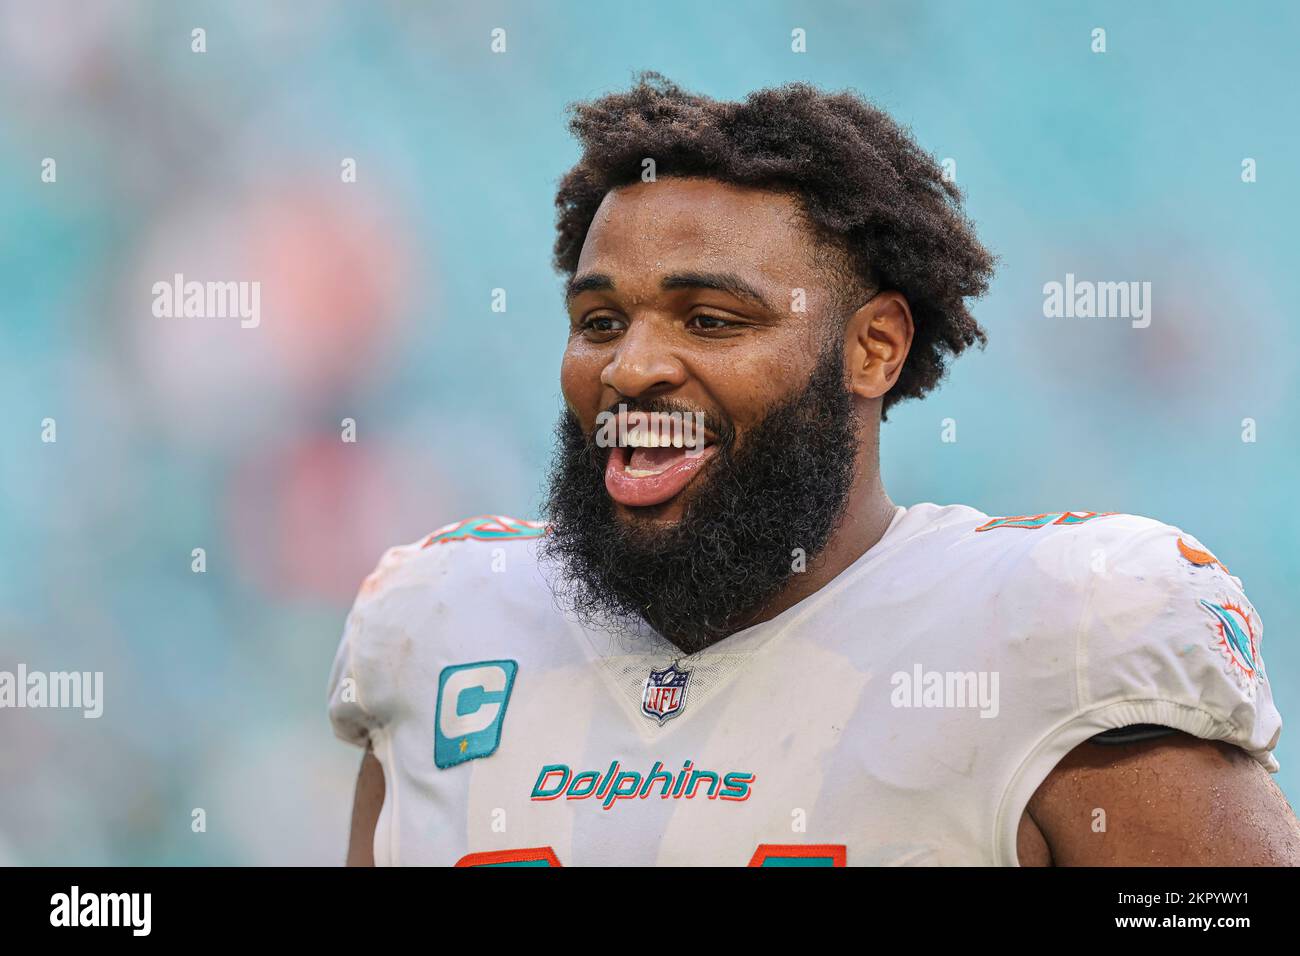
(366, 804)
(1174, 801)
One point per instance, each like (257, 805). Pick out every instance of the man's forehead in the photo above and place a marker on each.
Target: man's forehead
(684, 223)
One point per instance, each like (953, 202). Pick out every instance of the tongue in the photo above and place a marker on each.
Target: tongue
(653, 459)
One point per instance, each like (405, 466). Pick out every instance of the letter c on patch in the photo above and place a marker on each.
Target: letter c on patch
(471, 707)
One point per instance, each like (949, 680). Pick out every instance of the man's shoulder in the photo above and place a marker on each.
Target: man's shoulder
(1062, 542)
(969, 534)
(1112, 552)
(477, 547)
(1059, 526)
(1061, 559)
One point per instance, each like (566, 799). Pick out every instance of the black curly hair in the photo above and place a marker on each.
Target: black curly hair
(879, 203)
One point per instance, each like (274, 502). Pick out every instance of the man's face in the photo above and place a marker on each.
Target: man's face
(687, 296)
(694, 296)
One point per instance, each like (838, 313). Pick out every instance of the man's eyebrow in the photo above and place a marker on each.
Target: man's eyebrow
(727, 282)
(590, 282)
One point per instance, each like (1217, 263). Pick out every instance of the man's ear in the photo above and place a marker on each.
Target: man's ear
(877, 339)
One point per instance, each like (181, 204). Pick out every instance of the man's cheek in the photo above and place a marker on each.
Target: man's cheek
(574, 405)
(580, 386)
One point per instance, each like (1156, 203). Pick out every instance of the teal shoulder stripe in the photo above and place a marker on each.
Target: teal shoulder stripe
(487, 528)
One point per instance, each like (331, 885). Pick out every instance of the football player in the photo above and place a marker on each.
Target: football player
(725, 644)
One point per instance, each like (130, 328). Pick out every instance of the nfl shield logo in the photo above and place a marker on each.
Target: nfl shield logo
(665, 693)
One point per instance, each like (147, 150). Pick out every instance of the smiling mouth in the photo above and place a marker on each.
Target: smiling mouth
(654, 459)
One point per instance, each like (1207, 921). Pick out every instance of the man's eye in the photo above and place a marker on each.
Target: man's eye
(602, 325)
(709, 322)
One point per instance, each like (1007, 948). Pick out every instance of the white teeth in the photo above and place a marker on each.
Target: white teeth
(646, 438)
(660, 432)
(655, 433)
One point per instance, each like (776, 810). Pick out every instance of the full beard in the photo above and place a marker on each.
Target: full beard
(750, 515)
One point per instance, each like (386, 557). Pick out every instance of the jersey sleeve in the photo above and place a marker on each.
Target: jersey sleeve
(359, 694)
(1153, 630)
(1168, 637)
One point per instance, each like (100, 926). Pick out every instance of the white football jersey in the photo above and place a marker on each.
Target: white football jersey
(903, 714)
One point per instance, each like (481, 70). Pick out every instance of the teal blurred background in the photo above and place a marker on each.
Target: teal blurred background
(175, 434)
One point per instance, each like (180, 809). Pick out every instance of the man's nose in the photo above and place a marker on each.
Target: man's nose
(643, 363)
